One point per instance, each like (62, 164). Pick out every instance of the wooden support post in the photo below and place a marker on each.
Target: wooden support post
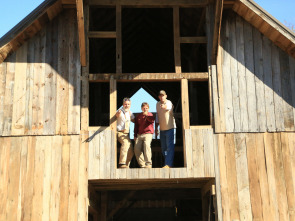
(177, 58)
(118, 39)
(113, 120)
(81, 32)
(103, 206)
(185, 108)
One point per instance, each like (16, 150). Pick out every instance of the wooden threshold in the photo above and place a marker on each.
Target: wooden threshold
(102, 34)
(199, 76)
(140, 184)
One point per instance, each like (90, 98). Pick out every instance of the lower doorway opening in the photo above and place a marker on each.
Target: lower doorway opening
(179, 204)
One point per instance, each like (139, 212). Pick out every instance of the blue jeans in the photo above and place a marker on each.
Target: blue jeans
(167, 145)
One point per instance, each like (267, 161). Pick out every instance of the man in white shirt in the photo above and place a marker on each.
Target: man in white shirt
(167, 124)
(124, 117)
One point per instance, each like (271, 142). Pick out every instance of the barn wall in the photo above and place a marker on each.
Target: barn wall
(40, 82)
(256, 83)
(43, 178)
(257, 176)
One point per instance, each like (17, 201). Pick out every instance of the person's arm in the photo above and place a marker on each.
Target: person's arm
(118, 113)
(136, 127)
(150, 118)
(132, 118)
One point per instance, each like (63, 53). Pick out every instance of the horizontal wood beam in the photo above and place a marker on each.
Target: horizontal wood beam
(200, 76)
(163, 194)
(193, 40)
(68, 2)
(102, 34)
(145, 184)
(150, 2)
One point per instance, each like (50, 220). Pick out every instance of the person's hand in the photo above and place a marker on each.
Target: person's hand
(163, 106)
(145, 113)
(135, 139)
(157, 132)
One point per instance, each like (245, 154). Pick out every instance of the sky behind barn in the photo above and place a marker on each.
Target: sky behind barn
(13, 11)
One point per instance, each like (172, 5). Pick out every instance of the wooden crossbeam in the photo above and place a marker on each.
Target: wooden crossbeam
(151, 2)
(193, 40)
(151, 77)
(81, 32)
(102, 34)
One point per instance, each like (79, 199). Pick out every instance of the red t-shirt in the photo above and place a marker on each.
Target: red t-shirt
(144, 124)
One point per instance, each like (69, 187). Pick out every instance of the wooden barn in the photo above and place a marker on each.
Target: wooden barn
(227, 66)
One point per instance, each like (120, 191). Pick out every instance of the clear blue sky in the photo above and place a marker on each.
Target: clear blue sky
(13, 11)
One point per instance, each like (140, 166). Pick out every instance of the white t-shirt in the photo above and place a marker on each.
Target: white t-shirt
(123, 121)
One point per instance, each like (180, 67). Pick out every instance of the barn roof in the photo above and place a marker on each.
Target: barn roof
(248, 9)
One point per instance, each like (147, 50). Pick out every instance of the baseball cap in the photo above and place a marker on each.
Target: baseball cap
(162, 92)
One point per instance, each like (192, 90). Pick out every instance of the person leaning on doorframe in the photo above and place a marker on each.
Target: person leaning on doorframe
(167, 125)
(124, 117)
(143, 136)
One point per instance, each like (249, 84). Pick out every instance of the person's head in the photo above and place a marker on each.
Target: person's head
(145, 107)
(162, 96)
(126, 103)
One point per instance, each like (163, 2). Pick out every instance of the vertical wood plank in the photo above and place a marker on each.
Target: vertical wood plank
(3, 73)
(288, 105)
(189, 153)
(75, 67)
(83, 178)
(93, 156)
(73, 178)
(277, 89)
(200, 153)
(84, 100)
(29, 188)
(62, 91)
(56, 159)
(4, 174)
(22, 176)
(217, 178)
(269, 152)
(228, 105)
(176, 32)
(39, 163)
(8, 100)
(241, 73)
(64, 182)
(118, 39)
(245, 208)
(46, 177)
(185, 110)
(268, 85)
(49, 114)
(292, 77)
(250, 81)
(268, 213)
(29, 87)
(232, 179)
(18, 115)
(101, 153)
(280, 178)
(254, 187)
(223, 178)
(289, 176)
(234, 74)
(259, 85)
(13, 179)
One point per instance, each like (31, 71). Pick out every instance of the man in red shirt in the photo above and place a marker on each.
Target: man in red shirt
(143, 135)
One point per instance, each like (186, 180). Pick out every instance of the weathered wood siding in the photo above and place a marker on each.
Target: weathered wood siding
(43, 178)
(200, 147)
(257, 176)
(256, 81)
(40, 82)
